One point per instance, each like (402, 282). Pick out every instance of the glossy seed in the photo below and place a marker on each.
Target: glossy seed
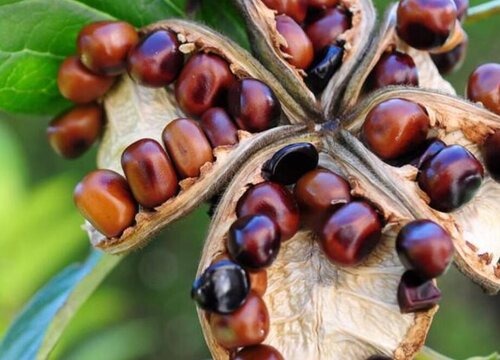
(219, 128)
(451, 178)
(203, 83)
(296, 9)
(325, 30)
(318, 193)
(103, 46)
(105, 200)
(275, 201)
(395, 127)
(249, 325)
(258, 282)
(433, 147)
(188, 146)
(288, 164)
(253, 241)
(327, 63)
(415, 294)
(452, 60)
(298, 45)
(484, 86)
(258, 352)
(351, 233)
(73, 133)
(425, 247)
(393, 68)
(150, 173)
(253, 105)
(78, 84)
(222, 288)
(156, 61)
(491, 154)
(322, 4)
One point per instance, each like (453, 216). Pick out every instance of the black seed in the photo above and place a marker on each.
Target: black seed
(415, 294)
(291, 162)
(323, 69)
(222, 288)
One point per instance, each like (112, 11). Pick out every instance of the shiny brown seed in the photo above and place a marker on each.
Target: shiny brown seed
(491, 154)
(219, 128)
(296, 9)
(156, 61)
(258, 352)
(298, 45)
(258, 281)
(78, 84)
(325, 30)
(150, 173)
(395, 127)
(103, 46)
(203, 83)
(393, 68)
(188, 146)
(322, 4)
(73, 133)
(105, 200)
(484, 86)
(452, 60)
(415, 294)
(253, 105)
(249, 325)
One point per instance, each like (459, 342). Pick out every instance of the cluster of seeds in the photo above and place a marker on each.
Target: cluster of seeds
(311, 29)
(348, 229)
(219, 105)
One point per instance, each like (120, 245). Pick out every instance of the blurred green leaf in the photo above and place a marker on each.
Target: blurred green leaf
(38, 327)
(36, 35)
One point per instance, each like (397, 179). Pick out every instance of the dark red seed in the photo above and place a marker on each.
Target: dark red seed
(219, 128)
(322, 4)
(452, 60)
(351, 233)
(327, 63)
(275, 201)
(253, 105)
(318, 193)
(325, 30)
(484, 86)
(425, 247)
(249, 325)
(425, 24)
(203, 83)
(258, 282)
(258, 352)
(451, 178)
(299, 46)
(415, 294)
(395, 127)
(187, 145)
(296, 9)
(156, 61)
(78, 84)
(150, 173)
(253, 241)
(393, 68)
(73, 133)
(103, 46)
(491, 154)
(434, 146)
(105, 200)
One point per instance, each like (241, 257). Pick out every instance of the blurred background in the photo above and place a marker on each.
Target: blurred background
(143, 311)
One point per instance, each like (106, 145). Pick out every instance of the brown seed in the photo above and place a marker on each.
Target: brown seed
(219, 127)
(491, 154)
(203, 83)
(73, 133)
(105, 200)
(103, 46)
(322, 4)
(258, 281)
(395, 127)
(249, 325)
(78, 84)
(258, 352)
(188, 146)
(296, 9)
(299, 47)
(150, 173)
(484, 86)
(156, 61)
(325, 30)
(393, 68)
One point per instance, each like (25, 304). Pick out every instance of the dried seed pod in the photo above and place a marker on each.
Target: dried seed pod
(75, 131)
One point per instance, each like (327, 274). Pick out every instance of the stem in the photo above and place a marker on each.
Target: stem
(429, 354)
(483, 11)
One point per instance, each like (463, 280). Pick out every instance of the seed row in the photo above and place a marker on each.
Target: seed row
(205, 89)
(230, 290)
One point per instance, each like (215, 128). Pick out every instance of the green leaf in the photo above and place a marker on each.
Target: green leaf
(38, 327)
(36, 35)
